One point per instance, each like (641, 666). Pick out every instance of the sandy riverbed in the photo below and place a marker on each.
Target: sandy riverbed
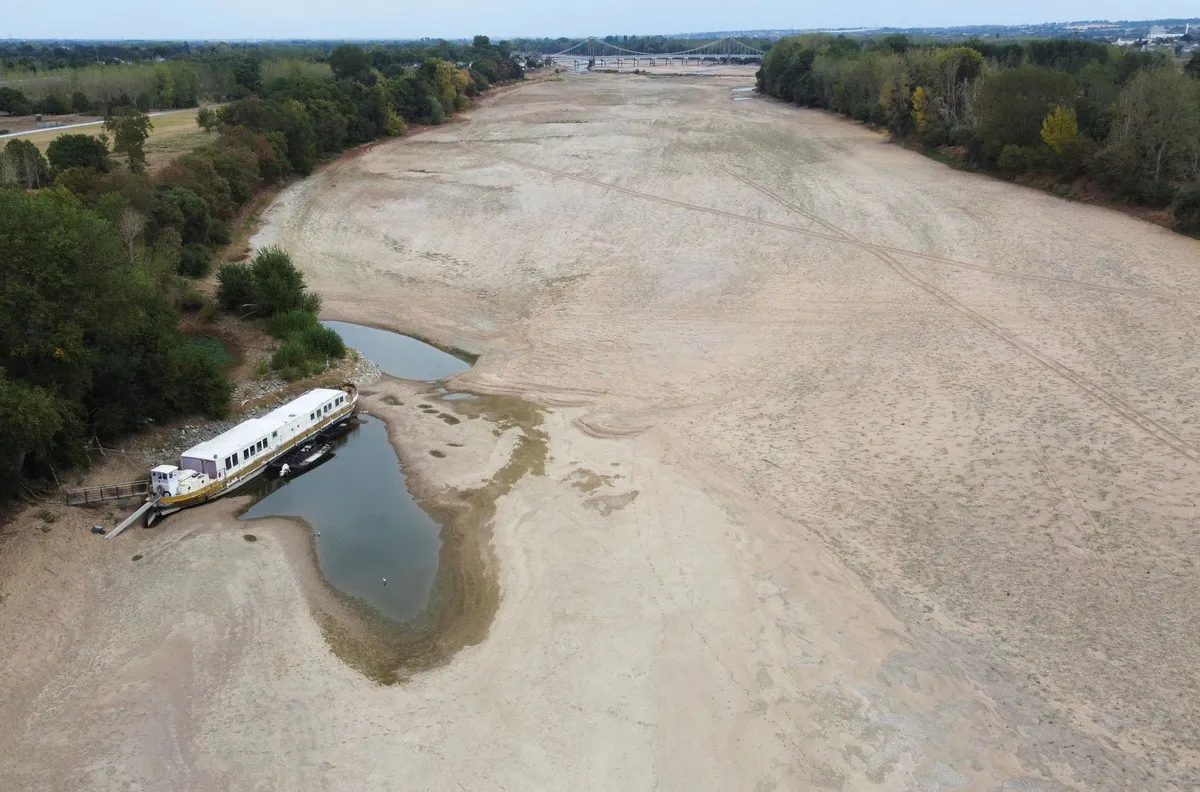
(857, 473)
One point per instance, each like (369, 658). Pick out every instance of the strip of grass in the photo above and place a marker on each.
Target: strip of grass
(213, 347)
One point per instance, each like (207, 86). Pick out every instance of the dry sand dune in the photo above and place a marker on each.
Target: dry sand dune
(860, 473)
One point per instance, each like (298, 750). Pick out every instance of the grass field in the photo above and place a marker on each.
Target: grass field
(174, 133)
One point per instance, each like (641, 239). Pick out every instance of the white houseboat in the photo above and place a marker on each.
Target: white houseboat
(218, 466)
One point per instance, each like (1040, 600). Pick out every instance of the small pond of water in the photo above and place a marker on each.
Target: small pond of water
(399, 355)
(368, 526)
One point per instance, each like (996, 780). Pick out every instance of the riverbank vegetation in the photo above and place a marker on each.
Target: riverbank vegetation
(270, 288)
(1069, 114)
(100, 258)
(97, 78)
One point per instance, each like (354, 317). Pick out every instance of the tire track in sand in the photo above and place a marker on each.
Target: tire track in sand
(1122, 409)
(830, 235)
(955, 262)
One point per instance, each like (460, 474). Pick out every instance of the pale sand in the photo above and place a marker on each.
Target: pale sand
(815, 513)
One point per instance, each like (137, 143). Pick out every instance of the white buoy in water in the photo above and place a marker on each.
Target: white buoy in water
(385, 581)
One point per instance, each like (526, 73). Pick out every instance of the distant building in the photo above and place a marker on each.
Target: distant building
(1159, 32)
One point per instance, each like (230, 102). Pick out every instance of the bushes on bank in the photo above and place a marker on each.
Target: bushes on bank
(1186, 209)
(270, 287)
(194, 261)
(89, 342)
(1127, 120)
(267, 285)
(289, 323)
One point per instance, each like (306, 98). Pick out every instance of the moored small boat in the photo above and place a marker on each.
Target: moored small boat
(305, 459)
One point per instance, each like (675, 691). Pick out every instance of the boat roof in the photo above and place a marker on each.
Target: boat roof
(251, 431)
(235, 439)
(305, 403)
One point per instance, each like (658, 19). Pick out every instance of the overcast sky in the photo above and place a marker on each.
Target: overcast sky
(240, 19)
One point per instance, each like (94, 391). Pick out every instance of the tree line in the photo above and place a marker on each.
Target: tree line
(97, 255)
(1068, 109)
(95, 78)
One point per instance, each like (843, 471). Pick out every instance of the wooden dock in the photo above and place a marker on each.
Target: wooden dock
(82, 496)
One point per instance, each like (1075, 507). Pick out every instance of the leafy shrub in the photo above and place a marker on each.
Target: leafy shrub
(268, 285)
(77, 151)
(190, 300)
(1024, 159)
(218, 232)
(292, 353)
(1149, 192)
(1186, 209)
(194, 261)
(324, 342)
(291, 323)
(1076, 156)
(235, 287)
(278, 285)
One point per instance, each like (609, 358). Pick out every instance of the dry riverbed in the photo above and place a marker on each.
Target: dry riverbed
(805, 463)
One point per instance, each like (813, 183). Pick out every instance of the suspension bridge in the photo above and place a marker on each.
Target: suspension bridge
(596, 52)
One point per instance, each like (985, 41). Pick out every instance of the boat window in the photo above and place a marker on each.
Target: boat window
(245, 454)
(275, 434)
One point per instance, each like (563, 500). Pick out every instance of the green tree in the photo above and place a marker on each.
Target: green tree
(22, 164)
(13, 102)
(1186, 209)
(1060, 128)
(180, 209)
(80, 322)
(349, 62)
(129, 129)
(267, 286)
(897, 43)
(1013, 104)
(1192, 67)
(247, 75)
(287, 117)
(77, 151)
(31, 420)
(1158, 121)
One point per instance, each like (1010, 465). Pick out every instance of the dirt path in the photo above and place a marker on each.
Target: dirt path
(860, 473)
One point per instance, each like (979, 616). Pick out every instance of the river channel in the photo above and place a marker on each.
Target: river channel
(373, 542)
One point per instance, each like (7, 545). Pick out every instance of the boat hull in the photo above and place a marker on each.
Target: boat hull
(170, 504)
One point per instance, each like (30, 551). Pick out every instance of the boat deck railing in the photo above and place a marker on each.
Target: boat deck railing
(81, 496)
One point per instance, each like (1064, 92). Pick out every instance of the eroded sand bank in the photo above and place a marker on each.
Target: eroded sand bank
(859, 473)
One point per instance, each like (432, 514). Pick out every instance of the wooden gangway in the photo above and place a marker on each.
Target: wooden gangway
(131, 519)
(81, 496)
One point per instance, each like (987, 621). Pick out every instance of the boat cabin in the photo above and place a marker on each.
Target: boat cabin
(164, 480)
(257, 440)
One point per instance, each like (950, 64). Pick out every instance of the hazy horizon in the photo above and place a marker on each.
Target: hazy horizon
(309, 19)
